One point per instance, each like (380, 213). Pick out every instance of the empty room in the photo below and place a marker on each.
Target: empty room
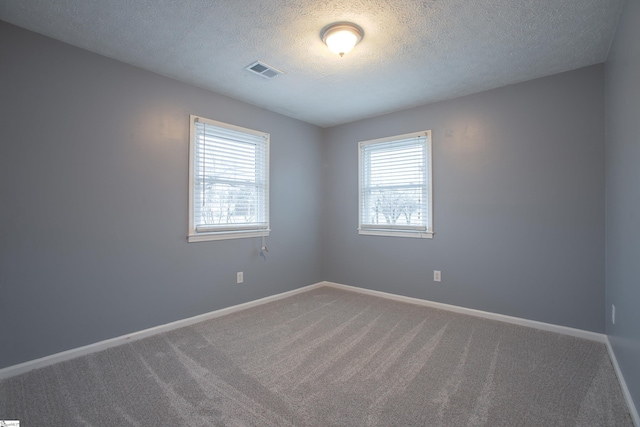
(304, 213)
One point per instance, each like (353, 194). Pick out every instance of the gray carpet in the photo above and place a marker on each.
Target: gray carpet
(329, 358)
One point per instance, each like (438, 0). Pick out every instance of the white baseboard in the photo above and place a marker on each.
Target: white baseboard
(623, 385)
(11, 371)
(21, 368)
(592, 336)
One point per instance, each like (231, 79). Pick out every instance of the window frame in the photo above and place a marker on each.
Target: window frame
(228, 231)
(399, 231)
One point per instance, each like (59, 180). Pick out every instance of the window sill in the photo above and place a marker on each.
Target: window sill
(396, 233)
(226, 235)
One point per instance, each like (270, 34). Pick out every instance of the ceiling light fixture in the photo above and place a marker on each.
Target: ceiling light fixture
(341, 37)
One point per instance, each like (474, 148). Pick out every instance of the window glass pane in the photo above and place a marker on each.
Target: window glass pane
(394, 184)
(229, 178)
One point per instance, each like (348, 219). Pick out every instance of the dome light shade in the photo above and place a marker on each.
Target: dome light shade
(341, 37)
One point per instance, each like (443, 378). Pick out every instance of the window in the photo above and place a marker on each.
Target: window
(228, 181)
(395, 186)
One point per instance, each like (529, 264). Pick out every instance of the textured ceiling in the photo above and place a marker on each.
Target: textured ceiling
(413, 52)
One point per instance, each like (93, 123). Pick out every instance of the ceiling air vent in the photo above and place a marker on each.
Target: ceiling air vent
(263, 70)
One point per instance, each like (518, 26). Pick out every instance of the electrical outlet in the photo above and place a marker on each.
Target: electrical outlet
(239, 277)
(437, 276)
(613, 314)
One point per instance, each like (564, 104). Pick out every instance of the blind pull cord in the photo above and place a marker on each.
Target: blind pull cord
(264, 248)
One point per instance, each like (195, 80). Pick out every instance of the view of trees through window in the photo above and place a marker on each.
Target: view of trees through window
(227, 204)
(230, 179)
(393, 183)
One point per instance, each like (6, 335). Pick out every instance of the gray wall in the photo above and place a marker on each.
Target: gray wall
(518, 203)
(93, 201)
(93, 193)
(622, 85)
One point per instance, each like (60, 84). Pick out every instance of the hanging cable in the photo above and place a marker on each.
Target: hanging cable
(264, 248)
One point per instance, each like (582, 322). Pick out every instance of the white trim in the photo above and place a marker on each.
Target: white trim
(397, 233)
(229, 126)
(633, 411)
(579, 333)
(204, 237)
(192, 133)
(430, 184)
(21, 368)
(229, 232)
(565, 330)
(419, 134)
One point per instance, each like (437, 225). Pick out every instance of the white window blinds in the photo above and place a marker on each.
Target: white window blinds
(395, 186)
(229, 180)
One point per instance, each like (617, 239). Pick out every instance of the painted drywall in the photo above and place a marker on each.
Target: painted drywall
(93, 184)
(93, 201)
(622, 89)
(518, 203)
